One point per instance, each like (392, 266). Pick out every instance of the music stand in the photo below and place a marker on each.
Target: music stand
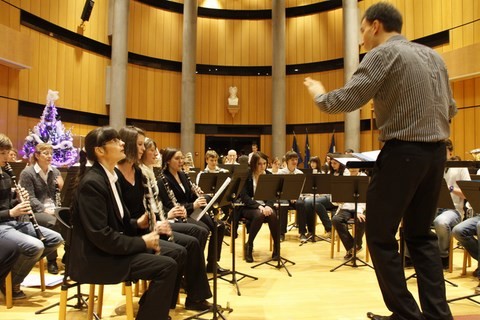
(234, 167)
(316, 184)
(210, 182)
(445, 202)
(278, 187)
(229, 196)
(350, 189)
(215, 309)
(471, 190)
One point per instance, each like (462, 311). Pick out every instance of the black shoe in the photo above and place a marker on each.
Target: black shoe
(17, 294)
(248, 253)
(52, 267)
(349, 255)
(219, 269)
(377, 317)
(275, 255)
(476, 273)
(201, 305)
(282, 237)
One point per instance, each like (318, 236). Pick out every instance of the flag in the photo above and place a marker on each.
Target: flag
(331, 149)
(295, 148)
(307, 153)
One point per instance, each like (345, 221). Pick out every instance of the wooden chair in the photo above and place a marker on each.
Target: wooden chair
(63, 216)
(8, 284)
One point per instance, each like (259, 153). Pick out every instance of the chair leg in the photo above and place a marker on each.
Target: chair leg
(41, 265)
(367, 253)
(91, 302)
(332, 243)
(465, 259)
(100, 300)
(129, 300)
(244, 239)
(62, 312)
(8, 291)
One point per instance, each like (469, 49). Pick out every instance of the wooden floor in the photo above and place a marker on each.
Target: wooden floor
(313, 292)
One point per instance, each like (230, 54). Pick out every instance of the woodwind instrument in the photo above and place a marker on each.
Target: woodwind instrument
(58, 199)
(23, 198)
(195, 188)
(151, 203)
(171, 195)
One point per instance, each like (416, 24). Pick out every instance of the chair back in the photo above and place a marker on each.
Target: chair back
(64, 216)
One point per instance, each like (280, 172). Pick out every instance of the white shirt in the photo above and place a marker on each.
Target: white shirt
(112, 178)
(451, 176)
(42, 174)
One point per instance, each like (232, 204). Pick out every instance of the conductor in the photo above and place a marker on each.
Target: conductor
(413, 105)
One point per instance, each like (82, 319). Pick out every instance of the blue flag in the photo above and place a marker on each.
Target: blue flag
(307, 153)
(331, 149)
(295, 148)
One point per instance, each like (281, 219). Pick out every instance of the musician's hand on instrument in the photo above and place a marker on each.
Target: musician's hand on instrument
(163, 227)
(20, 209)
(151, 241)
(142, 222)
(50, 211)
(200, 202)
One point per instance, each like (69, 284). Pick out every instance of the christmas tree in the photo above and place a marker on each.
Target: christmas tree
(51, 130)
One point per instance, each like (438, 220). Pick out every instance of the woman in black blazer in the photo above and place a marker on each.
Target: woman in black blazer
(105, 246)
(256, 213)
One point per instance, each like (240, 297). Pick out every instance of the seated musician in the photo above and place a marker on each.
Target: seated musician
(106, 245)
(175, 189)
(43, 183)
(345, 212)
(291, 158)
(183, 248)
(14, 226)
(256, 213)
(211, 159)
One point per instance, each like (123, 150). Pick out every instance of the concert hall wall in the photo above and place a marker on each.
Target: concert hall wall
(234, 47)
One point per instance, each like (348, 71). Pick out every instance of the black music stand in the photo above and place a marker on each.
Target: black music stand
(316, 184)
(278, 187)
(233, 168)
(445, 202)
(350, 189)
(228, 198)
(471, 190)
(216, 309)
(211, 182)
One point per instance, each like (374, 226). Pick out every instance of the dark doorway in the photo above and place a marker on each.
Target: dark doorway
(243, 145)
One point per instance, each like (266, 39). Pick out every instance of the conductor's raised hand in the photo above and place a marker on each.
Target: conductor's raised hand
(314, 87)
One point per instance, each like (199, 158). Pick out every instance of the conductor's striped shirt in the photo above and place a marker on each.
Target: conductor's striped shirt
(410, 89)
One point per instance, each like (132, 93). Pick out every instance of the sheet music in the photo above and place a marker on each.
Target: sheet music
(198, 216)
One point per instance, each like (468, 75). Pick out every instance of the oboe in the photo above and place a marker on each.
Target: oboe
(152, 204)
(171, 195)
(31, 216)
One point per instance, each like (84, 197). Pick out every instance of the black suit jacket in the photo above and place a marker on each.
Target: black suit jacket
(246, 195)
(103, 243)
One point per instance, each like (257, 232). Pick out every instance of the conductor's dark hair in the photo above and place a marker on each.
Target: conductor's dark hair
(387, 14)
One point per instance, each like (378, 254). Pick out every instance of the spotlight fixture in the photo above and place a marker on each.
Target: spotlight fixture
(87, 11)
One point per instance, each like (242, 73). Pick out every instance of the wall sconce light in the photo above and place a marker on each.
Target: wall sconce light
(233, 106)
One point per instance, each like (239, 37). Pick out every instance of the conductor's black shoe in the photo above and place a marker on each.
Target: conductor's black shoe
(201, 305)
(377, 317)
(52, 267)
(219, 269)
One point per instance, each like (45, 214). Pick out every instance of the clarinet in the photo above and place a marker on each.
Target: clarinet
(31, 216)
(58, 200)
(153, 206)
(171, 195)
(195, 188)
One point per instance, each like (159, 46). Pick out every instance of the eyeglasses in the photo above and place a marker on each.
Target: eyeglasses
(46, 153)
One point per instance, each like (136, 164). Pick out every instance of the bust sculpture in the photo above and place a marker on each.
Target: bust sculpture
(232, 99)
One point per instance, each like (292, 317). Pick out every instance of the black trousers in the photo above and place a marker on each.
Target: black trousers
(179, 254)
(255, 221)
(162, 270)
(196, 279)
(207, 223)
(8, 255)
(405, 185)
